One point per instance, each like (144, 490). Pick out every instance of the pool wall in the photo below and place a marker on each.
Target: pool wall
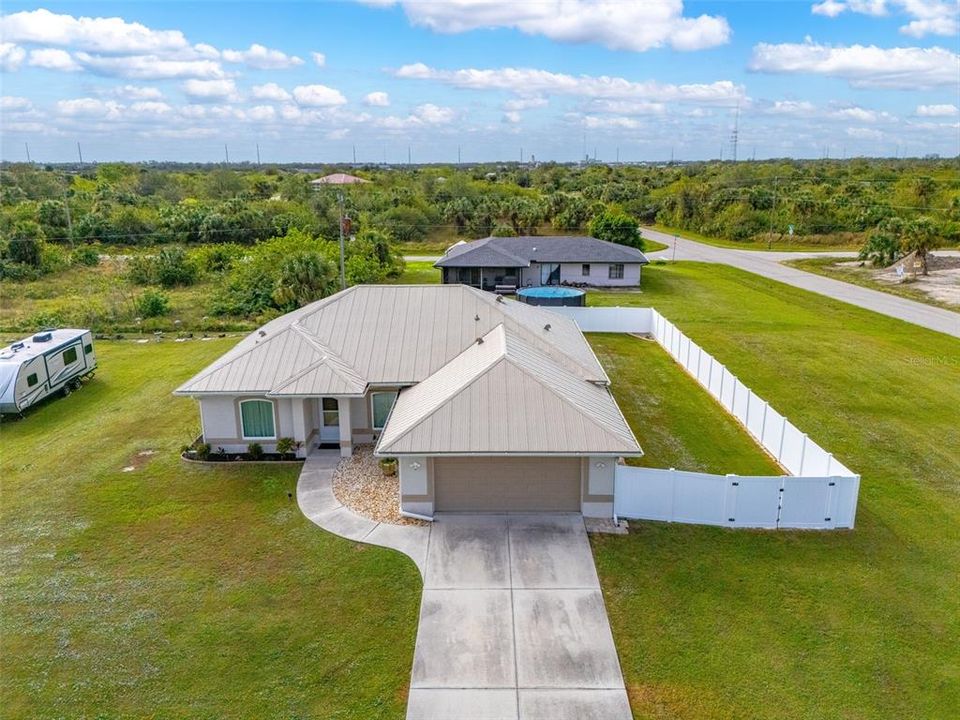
(574, 300)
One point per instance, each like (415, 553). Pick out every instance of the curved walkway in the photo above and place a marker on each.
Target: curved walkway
(769, 265)
(317, 501)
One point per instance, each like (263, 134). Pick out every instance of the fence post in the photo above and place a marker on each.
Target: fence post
(803, 453)
(733, 400)
(673, 495)
(783, 432)
(763, 422)
(829, 464)
(710, 374)
(723, 376)
(746, 419)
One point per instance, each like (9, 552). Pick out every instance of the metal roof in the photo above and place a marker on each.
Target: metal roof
(338, 179)
(381, 335)
(521, 251)
(504, 396)
(19, 352)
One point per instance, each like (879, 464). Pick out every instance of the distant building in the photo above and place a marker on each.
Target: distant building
(337, 179)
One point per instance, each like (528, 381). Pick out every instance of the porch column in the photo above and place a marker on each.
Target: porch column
(346, 431)
(299, 426)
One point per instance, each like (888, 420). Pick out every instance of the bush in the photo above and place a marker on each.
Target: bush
(216, 258)
(255, 451)
(53, 258)
(201, 450)
(153, 303)
(174, 268)
(502, 230)
(85, 255)
(286, 446)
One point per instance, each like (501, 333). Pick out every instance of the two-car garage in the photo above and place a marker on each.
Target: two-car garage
(507, 484)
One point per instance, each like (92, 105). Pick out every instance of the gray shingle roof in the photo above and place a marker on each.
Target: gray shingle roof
(520, 251)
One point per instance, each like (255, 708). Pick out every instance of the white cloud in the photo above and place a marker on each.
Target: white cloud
(90, 108)
(107, 35)
(937, 110)
(270, 91)
(864, 133)
(262, 58)
(512, 117)
(627, 107)
(319, 58)
(11, 103)
(53, 59)
(527, 81)
(862, 66)
(525, 103)
(929, 17)
(616, 24)
(377, 99)
(11, 56)
(613, 122)
(434, 114)
(211, 89)
(148, 109)
(856, 113)
(149, 67)
(137, 92)
(262, 113)
(318, 96)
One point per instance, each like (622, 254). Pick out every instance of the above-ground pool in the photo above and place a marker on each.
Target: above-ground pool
(552, 295)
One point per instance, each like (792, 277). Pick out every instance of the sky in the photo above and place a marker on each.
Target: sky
(434, 80)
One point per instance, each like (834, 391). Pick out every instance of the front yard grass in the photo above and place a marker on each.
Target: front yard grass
(176, 590)
(714, 623)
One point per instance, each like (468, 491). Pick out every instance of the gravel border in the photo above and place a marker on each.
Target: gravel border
(359, 484)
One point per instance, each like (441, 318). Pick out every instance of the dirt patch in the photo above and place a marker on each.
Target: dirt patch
(941, 284)
(360, 484)
(138, 460)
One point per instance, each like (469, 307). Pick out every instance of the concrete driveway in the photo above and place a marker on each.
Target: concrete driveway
(513, 624)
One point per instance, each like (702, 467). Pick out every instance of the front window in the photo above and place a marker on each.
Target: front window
(382, 403)
(69, 356)
(88, 348)
(32, 379)
(256, 417)
(616, 271)
(585, 270)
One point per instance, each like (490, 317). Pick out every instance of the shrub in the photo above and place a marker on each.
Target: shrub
(201, 450)
(216, 258)
(142, 270)
(286, 446)
(153, 303)
(502, 230)
(388, 466)
(618, 228)
(174, 268)
(53, 258)
(85, 255)
(255, 451)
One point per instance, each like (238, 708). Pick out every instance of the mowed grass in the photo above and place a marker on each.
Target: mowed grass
(781, 242)
(677, 423)
(174, 590)
(716, 623)
(418, 272)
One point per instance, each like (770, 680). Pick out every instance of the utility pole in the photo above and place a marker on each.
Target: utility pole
(258, 153)
(79, 152)
(618, 154)
(409, 156)
(671, 154)
(226, 154)
(458, 154)
(66, 205)
(354, 154)
(343, 276)
(773, 213)
(735, 135)
(27, 146)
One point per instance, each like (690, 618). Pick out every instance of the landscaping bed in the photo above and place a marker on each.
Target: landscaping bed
(361, 485)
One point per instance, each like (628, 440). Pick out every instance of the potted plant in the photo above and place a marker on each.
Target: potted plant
(388, 466)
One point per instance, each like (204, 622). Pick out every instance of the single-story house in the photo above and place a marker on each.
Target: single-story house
(337, 179)
(488, 404)
(529, 261)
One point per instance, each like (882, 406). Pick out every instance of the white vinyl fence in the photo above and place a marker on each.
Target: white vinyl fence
(820, 491)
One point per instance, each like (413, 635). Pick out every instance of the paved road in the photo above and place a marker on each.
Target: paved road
(513, 624)
(769, 264)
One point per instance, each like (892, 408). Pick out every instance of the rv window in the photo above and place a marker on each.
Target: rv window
(87, 349)
(69, 356)
(31, 379)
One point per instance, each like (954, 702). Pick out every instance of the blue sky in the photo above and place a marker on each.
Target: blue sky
(311, 81)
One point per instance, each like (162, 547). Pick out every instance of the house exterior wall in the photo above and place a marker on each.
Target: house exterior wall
(572, 273)
(416, 485)
(220, 422)
(598, 475)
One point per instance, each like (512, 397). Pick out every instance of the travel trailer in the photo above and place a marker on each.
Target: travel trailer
(36, 367)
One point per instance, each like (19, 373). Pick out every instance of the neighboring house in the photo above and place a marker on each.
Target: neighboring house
(337, 179)
(541, 260)
(489, 404)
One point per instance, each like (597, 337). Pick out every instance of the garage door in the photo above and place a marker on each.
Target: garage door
(478, 484)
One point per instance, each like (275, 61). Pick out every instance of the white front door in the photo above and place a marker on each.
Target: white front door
(329, 420)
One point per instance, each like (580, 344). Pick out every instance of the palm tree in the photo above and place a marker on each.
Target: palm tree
(920, 238)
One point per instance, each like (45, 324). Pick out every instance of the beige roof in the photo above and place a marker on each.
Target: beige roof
(380, 335)
(502, 395)
(338, 179)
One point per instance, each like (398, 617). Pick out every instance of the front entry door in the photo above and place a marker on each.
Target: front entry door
(329, 420)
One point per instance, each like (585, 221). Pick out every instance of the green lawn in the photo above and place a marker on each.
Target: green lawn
(863, 276)
(714, 623)
(783, 243)
(418, 272)
(175, 590)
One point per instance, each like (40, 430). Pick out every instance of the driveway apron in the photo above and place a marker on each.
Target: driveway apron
(513, 624)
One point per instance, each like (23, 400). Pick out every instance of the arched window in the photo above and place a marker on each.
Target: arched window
(256, 419)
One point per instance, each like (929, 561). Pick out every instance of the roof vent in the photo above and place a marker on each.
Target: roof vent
(477, 318)
(17, 346)
(480, 341)
(547, 327)
(262, 333)
(43, 336)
